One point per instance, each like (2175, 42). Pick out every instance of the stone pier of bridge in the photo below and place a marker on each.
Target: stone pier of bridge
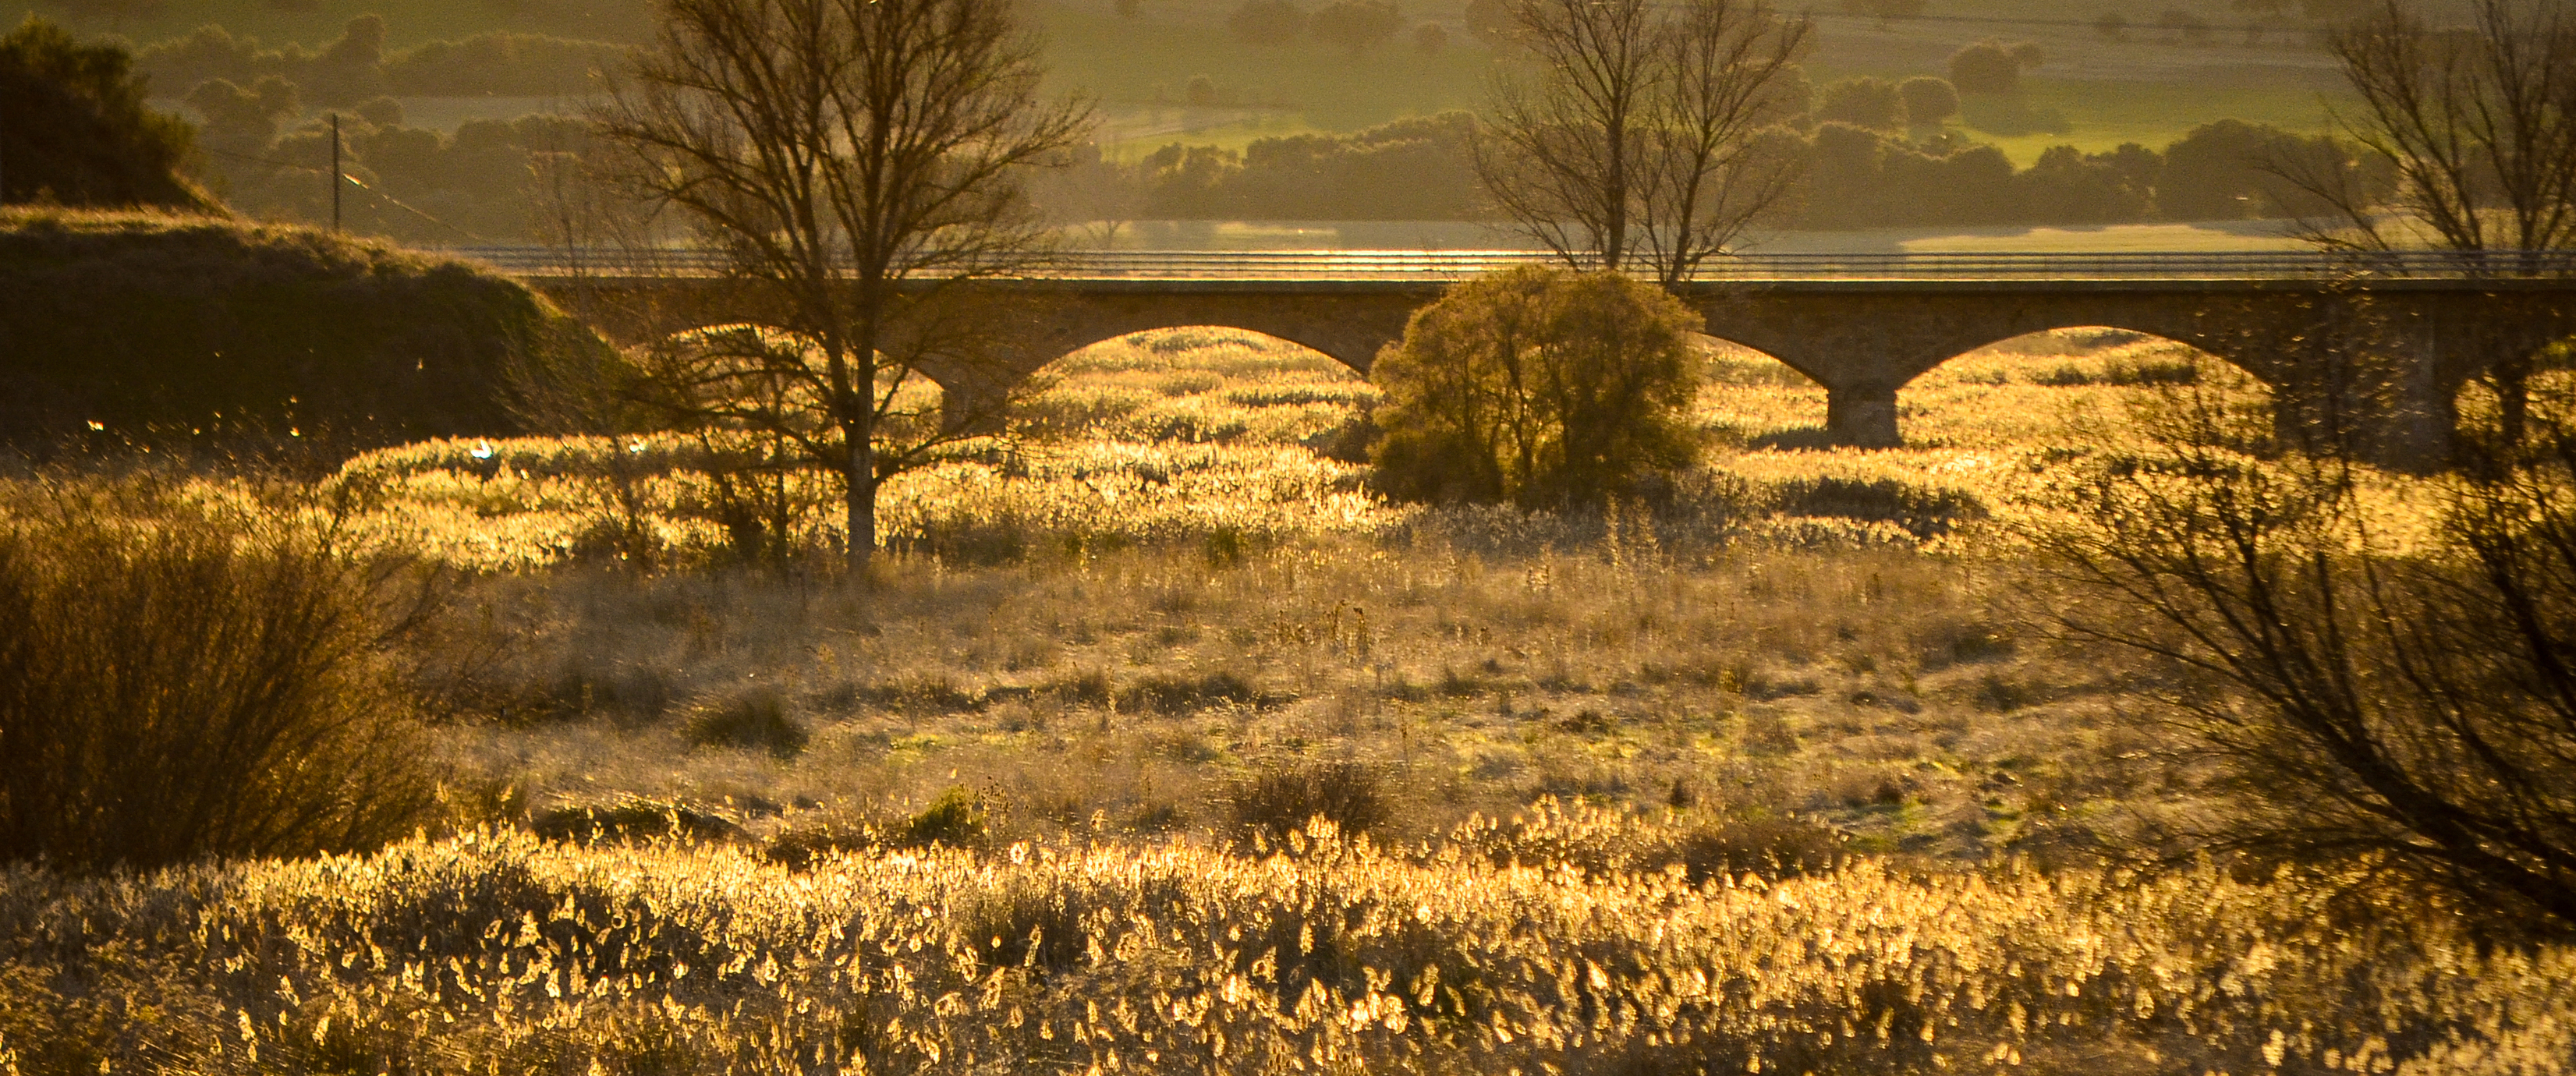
(2392, 352)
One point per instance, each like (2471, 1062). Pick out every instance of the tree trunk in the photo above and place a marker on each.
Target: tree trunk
(2513, 399)
(859, 500)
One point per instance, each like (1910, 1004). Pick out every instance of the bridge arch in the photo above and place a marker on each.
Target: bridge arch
(1180, 337)
(1755, 398)
(1199, 383)
(2106, 339)
(2025, 387)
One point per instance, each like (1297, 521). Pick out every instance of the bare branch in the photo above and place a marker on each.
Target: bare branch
(856, 158)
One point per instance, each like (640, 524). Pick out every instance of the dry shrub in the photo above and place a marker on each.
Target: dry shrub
(1184, 694)
(754, 719)
(1282, 799)
(633, 820)
(1606, 842)
(959, 818)
(180, 682)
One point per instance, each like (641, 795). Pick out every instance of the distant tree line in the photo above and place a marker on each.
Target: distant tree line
(1356, 25)
(486, 180)
(1867, 152)
(1867, 169)
(1411, 169)
(357, 67)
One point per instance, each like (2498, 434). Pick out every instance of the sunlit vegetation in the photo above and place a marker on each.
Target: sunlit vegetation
(504, 953)
(1162, 740)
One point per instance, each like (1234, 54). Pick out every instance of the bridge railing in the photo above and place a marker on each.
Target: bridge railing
(1440, 265)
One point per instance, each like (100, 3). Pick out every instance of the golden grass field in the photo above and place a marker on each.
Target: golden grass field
(1789, 774)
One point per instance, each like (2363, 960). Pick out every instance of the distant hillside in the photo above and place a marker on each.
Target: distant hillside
(162, 330)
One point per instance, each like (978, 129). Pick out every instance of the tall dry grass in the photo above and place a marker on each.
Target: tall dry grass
(501, 953)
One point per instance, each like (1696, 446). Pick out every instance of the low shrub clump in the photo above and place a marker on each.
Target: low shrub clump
(180, 682)
(752, 719)
(1282, 800)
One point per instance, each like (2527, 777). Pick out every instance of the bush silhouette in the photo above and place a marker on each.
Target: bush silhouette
(1987, 67)
(1281, 800)
(1863, 102)
(1357, 25)
(177, 684)
(78, 132)
(1538, 386)
(756, 719)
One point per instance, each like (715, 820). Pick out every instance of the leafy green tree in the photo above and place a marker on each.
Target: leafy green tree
(1357, 25)
(73, 128)
(1988, 67)
(1539, 386)
(1863, 102)
(2231, 169)
(1928, 100)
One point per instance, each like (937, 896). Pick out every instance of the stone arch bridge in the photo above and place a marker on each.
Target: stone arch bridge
(1860, 328)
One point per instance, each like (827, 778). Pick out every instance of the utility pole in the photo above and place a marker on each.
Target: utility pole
(335, 171)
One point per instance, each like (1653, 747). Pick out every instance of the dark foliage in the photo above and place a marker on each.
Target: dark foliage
(633, 820)
(1928, 101)
(75, 130)
(1412, 169)
(1283, 799)
(1863, 102)
(1357, 25)
(1986, 67)
(2410, 704)
(179, 684)
(1267, 22)
(754, 719)
(356, 67)
(1540, 387)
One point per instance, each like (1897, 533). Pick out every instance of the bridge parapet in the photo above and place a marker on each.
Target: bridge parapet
(1449, 265)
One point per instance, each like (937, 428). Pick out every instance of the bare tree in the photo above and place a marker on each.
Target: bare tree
(2478, 124)
(1709, 176)
(2411, 698)
(1633, 138)
(856, 157)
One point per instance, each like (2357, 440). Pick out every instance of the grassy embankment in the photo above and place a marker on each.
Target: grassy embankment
(171, 331)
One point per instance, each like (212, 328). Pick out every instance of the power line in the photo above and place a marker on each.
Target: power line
(352, 181)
